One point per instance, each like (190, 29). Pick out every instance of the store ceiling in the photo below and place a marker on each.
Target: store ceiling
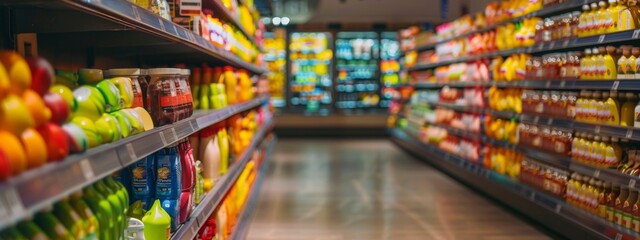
(378, 11)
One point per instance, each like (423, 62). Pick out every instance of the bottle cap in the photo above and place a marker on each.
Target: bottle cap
(585, 7)
(594, 5)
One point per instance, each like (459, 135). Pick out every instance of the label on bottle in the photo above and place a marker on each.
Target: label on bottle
(610, 214)
(636, 122)
(626, 220)
(617, 217)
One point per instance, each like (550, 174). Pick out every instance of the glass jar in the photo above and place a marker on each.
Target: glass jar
(186, 89)
(163, 102)
(138, 83)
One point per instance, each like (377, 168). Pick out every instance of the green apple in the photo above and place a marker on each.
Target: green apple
(90, 102)
(76, 137)
(126, 90)
(14, 115)
(109, 128)
(136, 121)
(66, 78)
(87, 76)
(123, 121)
(111, 95)
(66, 93)
(93, 136)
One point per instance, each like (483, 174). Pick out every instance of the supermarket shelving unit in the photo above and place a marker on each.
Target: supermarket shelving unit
(104, 32)
(553, 212)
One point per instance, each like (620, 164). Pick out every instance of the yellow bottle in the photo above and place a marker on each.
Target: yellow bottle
(583, 20)
(594, 19)
(593, 64)
(612, 107)
(600, 114)
(632, 63)
(571, 183)
(622, 63)
(627, 110)
(613, 14)
(610, 65)
(584, 63)
(580, 107)
(625, 18)
(594, 150)
(599, 64)
(600, 18)
(599, 151)
(575, 148)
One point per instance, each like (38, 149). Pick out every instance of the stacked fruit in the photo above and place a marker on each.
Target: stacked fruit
(100, 109)
(242, 131)
(501, 129)
(505, 99)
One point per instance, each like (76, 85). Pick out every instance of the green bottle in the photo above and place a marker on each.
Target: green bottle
(157, 223)
(12, 233)
(31, 231)
(102, 208)
(90, 220)
(52, 226)
(123, 196)
(70, 219)
(136, 210)
(116, 206)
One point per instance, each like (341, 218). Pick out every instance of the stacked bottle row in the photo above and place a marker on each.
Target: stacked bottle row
(218, 87)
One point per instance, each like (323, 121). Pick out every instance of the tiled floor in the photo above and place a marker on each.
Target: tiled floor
(370, 189)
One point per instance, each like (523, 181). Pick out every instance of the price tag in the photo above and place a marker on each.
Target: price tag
(136, 14)
(596, 130)
(540, 47)
(533, 196)
(596, 173)
(87, 170)
(565, 43)
(11, 204)
(547, 84)
(549, 121)
(193, 129)
(175, 135)
(175, 29)
(632, 183)
(163, 139)
(558, 208)
(636, 33)
(162, 24)
(536, 119)
(551, 45)
(629, 133)
(614, 86)
(601, 38)
(562, 84)
(131, 151)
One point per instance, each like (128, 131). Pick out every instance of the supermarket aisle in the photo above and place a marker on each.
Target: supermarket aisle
(370, 189)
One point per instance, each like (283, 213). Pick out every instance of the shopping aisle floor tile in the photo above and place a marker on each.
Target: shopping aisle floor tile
(370, 189)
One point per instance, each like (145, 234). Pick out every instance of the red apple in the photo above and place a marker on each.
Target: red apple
(59, 108)
(56, 139)
(42, 74)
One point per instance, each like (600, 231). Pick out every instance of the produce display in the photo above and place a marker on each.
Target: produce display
(310, 75)
(276, 59)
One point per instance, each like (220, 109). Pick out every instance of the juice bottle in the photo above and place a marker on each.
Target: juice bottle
(627, 110)
(210, 155)
(584, 64)
(636, 114)
(602, 200)
(31, 230)
(570, 185)
(157, 223)
(595, 19)
(51, 226)
(169, 182)
(103, 210)
(600, 18)
(590, 153)
(592, 193)
(624, 194)
(116, 207)
(627, 208)
(600, 67)
(600, 110)
(609, 22)
(593, 64)
(631, 63)
(622, 63)
(205, 94)
(626, 20)
(609, 63)
(598, 151)
(90, 220)
(583, 20)
(70, 219)
(613, 107)
(231, 83)
(635, 216)
(592, 108)
(611, 200)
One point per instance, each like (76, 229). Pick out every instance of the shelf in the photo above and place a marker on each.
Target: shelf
(212, 199)
(575, 84)
(574, 43)
(545, 11)
(555, 213)
(418, 49)
(116, 27)
(241, 228)
(218, 7)
(28, 193)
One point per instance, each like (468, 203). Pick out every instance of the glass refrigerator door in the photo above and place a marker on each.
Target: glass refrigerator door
(357, 84)
(389, 66)
(310, 82)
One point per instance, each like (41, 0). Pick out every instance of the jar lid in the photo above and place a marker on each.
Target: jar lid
(122, 72)
(164, 71)
(185, 72)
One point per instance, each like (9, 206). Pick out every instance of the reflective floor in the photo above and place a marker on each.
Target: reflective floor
(370, 189)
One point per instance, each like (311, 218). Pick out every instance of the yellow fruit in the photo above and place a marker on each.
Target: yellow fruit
(17, 69)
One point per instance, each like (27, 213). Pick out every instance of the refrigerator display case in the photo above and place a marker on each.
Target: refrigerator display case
(389, 67)
(357, 83)
(310, 79)
(276, 59)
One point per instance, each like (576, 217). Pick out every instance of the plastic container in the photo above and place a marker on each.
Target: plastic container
(156, 223)
(186, 91)
(138, 83)
(162, 96)
(143, 181)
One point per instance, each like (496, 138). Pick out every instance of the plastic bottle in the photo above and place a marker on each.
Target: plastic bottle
(584, 70)
(31, 230)
(223, 142)
(51, 226)
(600, 67)
(231, 83)
(196, 84)
(157, 223)
(582, 21)
(622, 63)
(168, 182)
(593, 64)
(205, 94)
(625, 18)
(612, 106)
(601, 111)
(210, 154)
(609, 22)
(600, 18)
(627, 110)
(91, 222)
(609, 63)
(103, 210)
(199, 191)
(70, 219)
(627, 208)
(611, 200)
(636, 114)
(602, 206)
(618, 211)
(592, 109)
